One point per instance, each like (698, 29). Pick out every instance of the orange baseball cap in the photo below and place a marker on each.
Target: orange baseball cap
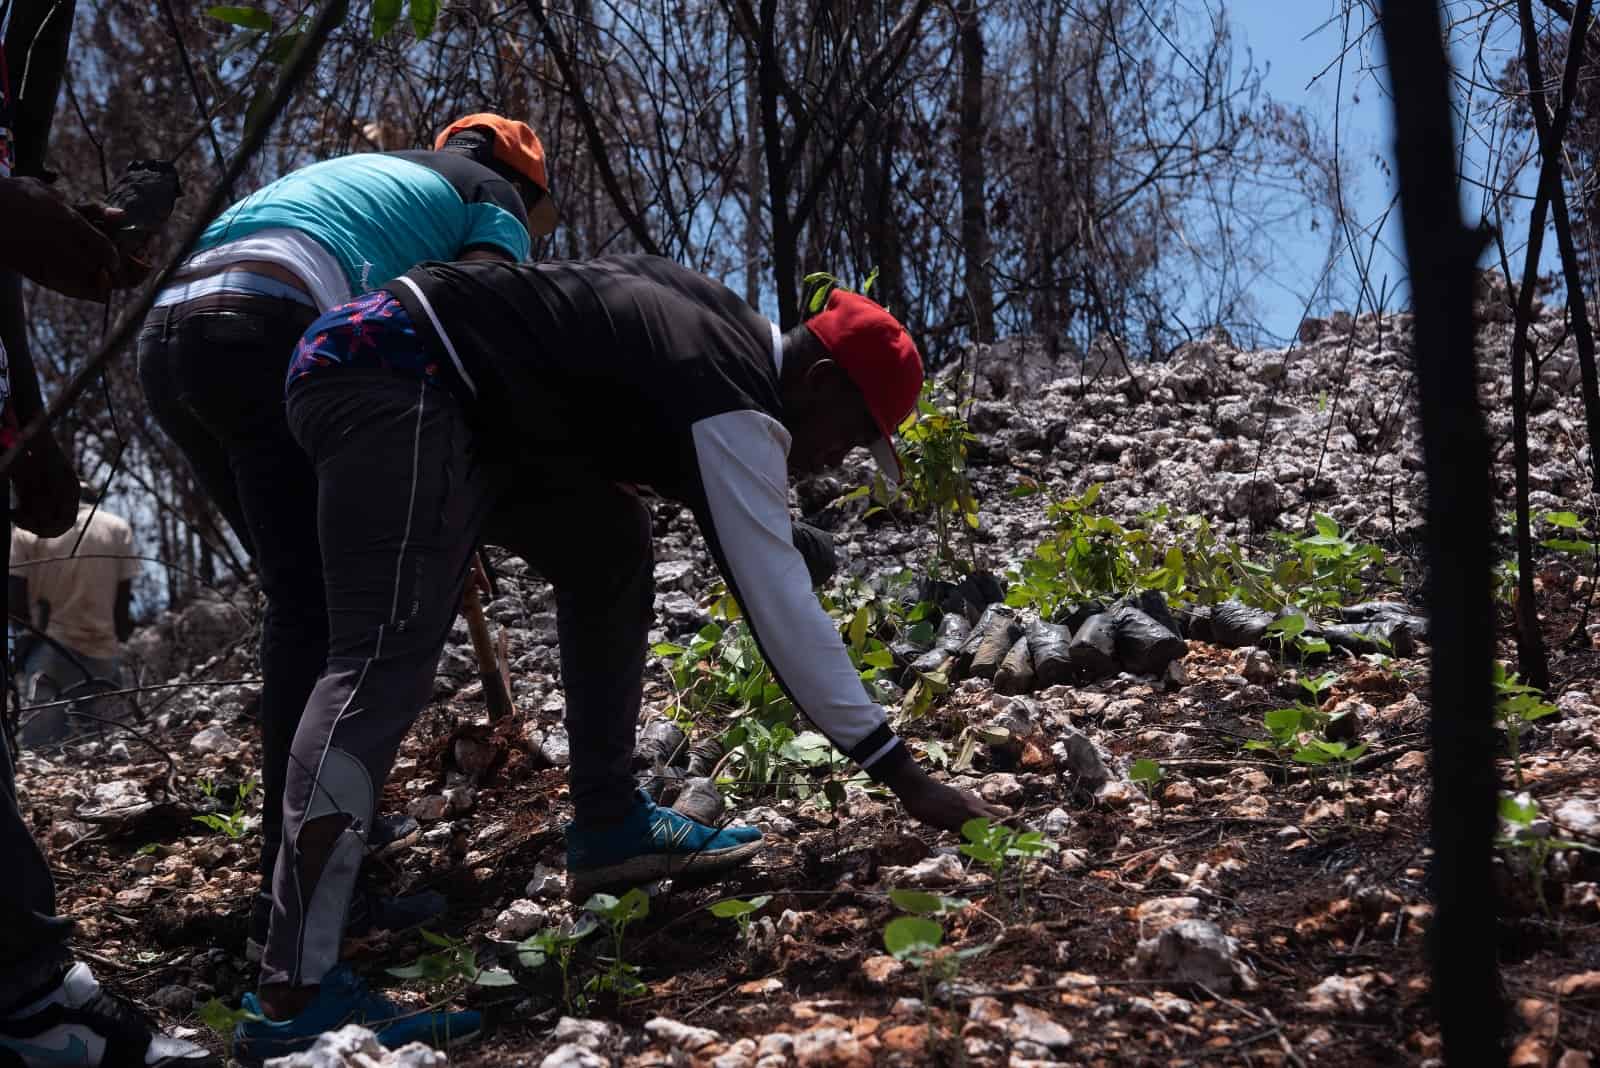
(518, 147)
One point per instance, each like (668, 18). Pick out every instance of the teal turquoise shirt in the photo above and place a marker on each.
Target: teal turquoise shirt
(381, 213)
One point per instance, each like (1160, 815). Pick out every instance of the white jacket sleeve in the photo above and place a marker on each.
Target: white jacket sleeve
(742, 461)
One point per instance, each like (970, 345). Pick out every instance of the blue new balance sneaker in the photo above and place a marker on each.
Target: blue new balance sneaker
(343, 999)
(652, 843)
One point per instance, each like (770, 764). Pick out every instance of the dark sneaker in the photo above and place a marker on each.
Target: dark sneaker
(389, 831)
(369, 912)
(344, 999)
(79, 1024)
(652, 843)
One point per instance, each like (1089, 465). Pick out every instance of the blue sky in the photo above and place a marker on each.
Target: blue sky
(1295, 42)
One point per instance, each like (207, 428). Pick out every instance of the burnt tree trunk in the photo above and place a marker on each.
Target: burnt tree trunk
(1441, 254)
(975, 246)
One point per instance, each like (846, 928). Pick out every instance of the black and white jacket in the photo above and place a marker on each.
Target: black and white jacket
(635, 369)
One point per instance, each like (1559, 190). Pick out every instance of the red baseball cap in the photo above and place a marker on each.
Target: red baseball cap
(880, 358)
(518, 147)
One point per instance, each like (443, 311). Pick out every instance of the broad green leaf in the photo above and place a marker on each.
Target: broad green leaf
(1563, 520)
(424, 13)
(918, 901)
(494, 977)
(1145, 770)
(248, 17)
(414, 970)
(635, 904)
(981, 853)
(976, 830)
(1282, 721)
(858, 627)
(531, 958)
(1514, 811)
(911, 936)
(727, 910)
(385, 13)
(221, 1019)
(1325, 525)
(1311, 755)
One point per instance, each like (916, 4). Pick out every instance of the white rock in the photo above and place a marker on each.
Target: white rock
(1056, 822)
(1028, 1024)
(520, 919)
(460, 799)
(1157, 914)
(1195, 951)
(742, 1054)
(681, 1035)
(214, 740)
(770, 821)
(592, 1034)
(824, 1047)
(353, 1046)
(573, 1055)
(546, 882)
(556, 747)
(941, 869)
(1001, 788)
(1579, 815)
(1340, 995)
(777, 1044)
(1259, 667)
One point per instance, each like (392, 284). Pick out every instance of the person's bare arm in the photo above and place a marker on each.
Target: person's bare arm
(122, 613)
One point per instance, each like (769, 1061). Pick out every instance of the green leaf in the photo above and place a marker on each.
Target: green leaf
(1514, 811)
(414, 970)
(975, 830)
(668, 649)
(1311, 755)
(424, 13)
(878, 658)
(1563, 520)
(981, 853)
(858, 627)
(494, 976)
(1145, 770)
(911, 936)
(532, 957)
(918, 901)
(221, 1019)
(249, 18)
(733, 907)
(635, 905)
(1282, 721)
(385, 13)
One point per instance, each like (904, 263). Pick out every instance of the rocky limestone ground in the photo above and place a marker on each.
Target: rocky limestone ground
(1243, 910)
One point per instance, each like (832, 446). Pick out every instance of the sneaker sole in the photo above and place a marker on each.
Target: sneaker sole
(652, 867)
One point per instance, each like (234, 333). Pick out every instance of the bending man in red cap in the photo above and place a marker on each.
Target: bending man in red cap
(212, 357)
(466, 397)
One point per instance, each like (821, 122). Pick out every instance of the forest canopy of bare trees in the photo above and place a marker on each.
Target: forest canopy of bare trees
(1091, 173)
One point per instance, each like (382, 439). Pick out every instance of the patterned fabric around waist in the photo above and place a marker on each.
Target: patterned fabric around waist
(372, 332)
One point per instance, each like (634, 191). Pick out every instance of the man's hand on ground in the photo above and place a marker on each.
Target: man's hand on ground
(47, 488)
(53, 244)
(938, 805)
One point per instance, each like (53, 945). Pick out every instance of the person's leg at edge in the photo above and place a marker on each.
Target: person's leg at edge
(601, 561)
(602, 566)
(400, 502)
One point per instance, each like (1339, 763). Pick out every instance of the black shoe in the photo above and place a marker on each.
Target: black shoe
(79, 1025)
(369, 912)
(388, 830)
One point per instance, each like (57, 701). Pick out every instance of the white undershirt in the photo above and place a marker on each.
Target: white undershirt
(292, 250)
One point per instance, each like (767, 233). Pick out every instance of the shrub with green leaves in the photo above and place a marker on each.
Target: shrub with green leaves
(558, 944)
(453, 962)
(995, 846)
(1517, 705)
(620, 979)
(231, 823)
(740, 912)
(1528, 838)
